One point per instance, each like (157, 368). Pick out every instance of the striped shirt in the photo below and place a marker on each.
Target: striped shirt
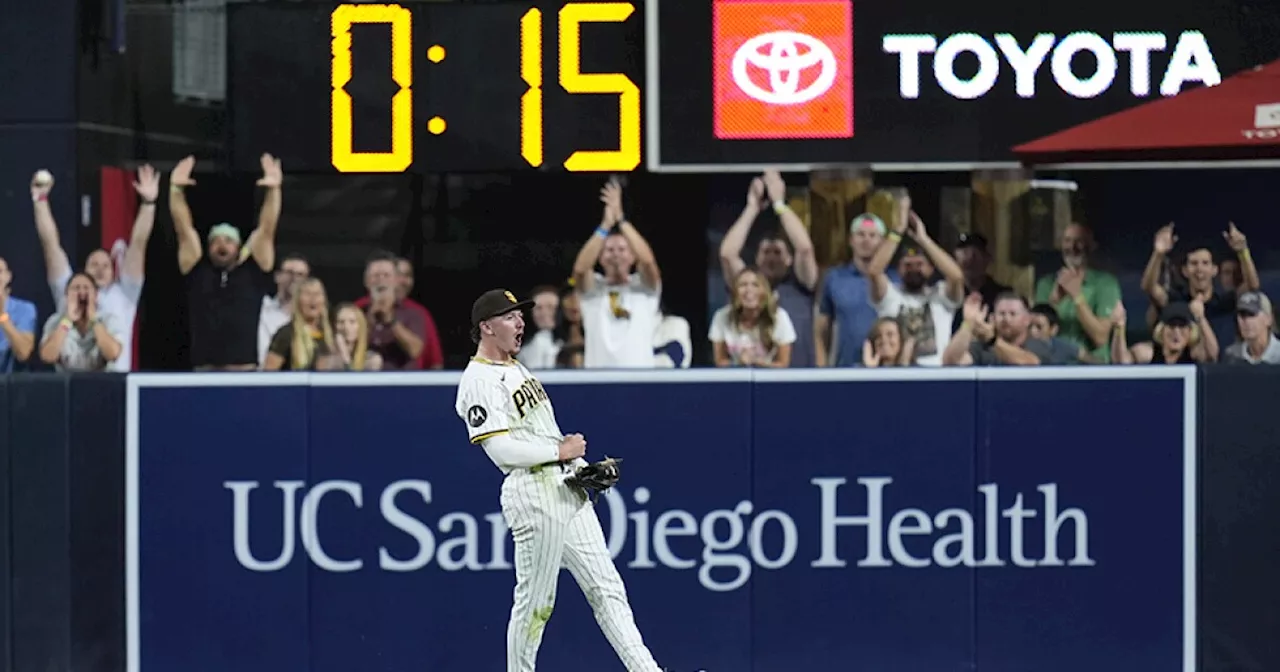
(505, 398)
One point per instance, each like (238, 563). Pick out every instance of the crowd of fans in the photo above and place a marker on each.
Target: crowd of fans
(901, 300)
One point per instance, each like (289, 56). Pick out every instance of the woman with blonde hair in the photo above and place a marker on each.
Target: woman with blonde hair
(1183, 335)
(752, 330)
(885, 347)
(352, 340)
(305, 343)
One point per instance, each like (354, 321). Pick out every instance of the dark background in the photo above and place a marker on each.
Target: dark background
(936, 127)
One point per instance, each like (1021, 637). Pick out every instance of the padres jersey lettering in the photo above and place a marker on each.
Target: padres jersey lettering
(499, 398)
(528, 396)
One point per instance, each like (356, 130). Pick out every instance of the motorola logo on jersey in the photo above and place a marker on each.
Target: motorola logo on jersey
(782, 69)
(968, 66)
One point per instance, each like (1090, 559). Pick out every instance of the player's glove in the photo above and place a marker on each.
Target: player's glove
(596, 478)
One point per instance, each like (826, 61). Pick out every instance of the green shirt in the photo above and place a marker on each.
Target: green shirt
(1101, 292)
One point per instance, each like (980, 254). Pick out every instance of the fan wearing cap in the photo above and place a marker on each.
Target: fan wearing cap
(1182, 336)
(1197, 272)
(923, 309)
(224, 292)
(1258, 343)
(975, 260)
(844, 299)
(507, 412)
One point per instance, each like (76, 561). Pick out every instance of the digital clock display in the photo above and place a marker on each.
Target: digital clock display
(371, 88)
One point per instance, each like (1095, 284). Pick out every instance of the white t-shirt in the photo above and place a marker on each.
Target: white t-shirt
(618, 322)
(540, 351)
(80, 351)
(495, 398)
(737, 341)
(120, 300)
(672, 344)
(926, 317)
(273, 316)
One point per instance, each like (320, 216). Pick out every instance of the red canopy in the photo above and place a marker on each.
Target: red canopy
(1237, 119)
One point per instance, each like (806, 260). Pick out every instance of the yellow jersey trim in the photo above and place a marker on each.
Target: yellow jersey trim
(482, 360)
(489, 435)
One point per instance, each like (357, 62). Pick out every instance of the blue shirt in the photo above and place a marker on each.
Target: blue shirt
(846, 298)
(23, 316)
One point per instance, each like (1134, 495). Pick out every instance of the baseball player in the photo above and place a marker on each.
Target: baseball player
(507, 411)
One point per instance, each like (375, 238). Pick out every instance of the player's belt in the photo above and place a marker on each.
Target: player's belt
(539, 467)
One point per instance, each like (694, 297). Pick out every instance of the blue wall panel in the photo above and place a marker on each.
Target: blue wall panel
(765, 522)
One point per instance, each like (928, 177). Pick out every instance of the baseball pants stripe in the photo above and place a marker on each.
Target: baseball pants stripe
(554, 527)
(586, 555)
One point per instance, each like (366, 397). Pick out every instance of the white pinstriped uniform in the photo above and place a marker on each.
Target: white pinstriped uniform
(553, 525)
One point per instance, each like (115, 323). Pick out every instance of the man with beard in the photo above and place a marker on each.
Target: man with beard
(1198, 272)
(1004, 341)
(225, 289)
(923, 310)
(975, 259)
(785, 258)
(1083, 296)
(620, 308)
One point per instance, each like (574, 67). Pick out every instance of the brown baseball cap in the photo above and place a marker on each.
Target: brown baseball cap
(493, 303)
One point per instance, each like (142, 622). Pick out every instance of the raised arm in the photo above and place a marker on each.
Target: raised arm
(736, 237)
(942, 260)
(646, 264)
(56, 264)
(957, 351)
(585, 263)
(189, 248)
(262, 242)
(879, 262)
(1249, 280)
(1151, 274)
(805, 263)
(148, 187)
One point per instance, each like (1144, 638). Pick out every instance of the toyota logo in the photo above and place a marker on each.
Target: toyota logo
(784, 61)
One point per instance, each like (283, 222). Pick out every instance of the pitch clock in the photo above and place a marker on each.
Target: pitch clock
(386, 88)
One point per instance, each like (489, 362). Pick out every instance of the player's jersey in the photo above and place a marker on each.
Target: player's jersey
(496, 398)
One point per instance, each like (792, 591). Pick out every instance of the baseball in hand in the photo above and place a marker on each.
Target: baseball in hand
(43, 178)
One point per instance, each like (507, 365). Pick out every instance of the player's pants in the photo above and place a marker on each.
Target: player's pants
(555, 527)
